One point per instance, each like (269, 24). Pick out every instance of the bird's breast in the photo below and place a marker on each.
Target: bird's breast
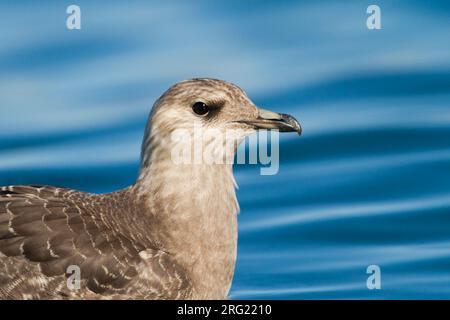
(198, 212)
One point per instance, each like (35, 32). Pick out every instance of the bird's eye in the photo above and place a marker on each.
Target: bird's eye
(200, 108)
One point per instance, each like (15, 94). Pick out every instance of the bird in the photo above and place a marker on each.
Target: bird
(170, 235)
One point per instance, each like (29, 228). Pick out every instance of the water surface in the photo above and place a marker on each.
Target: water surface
(367, 183)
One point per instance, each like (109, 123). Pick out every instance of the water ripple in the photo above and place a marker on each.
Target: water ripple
(367, 183)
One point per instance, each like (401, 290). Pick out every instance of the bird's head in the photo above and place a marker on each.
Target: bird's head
(212, 105)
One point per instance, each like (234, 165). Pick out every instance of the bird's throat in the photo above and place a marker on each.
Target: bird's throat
(197, 209)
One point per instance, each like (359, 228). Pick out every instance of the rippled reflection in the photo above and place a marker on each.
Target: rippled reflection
(367, 183)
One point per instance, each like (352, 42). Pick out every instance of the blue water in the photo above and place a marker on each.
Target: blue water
(367, 183)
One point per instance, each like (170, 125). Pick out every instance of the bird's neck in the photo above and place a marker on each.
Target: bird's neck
(196, 207)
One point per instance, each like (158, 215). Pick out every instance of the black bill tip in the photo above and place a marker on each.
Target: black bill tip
(292, 124)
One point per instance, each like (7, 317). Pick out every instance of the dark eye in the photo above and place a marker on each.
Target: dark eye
(200, 108)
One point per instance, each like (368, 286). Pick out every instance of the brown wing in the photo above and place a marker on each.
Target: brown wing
(45, 230)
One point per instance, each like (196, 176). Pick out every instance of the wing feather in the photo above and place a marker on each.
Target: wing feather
(44, 230)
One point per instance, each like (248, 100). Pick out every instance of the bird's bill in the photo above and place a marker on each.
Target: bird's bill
(275, 121)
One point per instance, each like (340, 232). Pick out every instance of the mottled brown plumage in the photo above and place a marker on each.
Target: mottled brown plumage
(171, 235)
(43, 230)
